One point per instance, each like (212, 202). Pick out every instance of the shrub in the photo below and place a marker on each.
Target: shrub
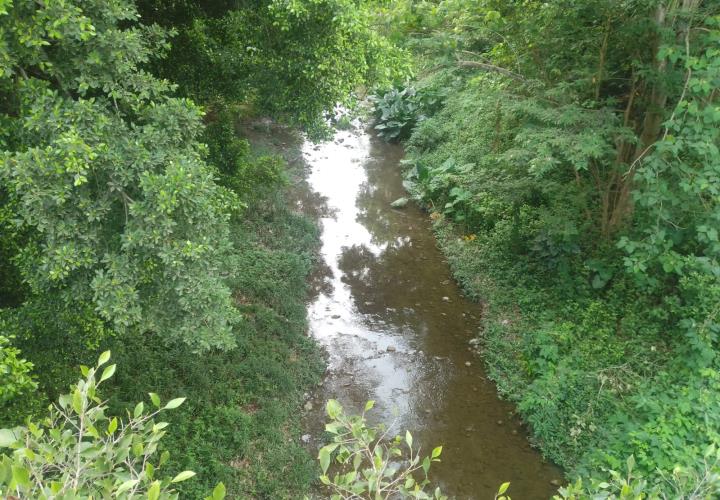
(79, 452)
(369, 465)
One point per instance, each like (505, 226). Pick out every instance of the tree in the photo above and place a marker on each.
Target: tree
(105, 171)
(294, 60)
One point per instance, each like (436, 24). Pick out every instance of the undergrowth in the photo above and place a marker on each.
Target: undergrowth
(240, 423)
(597, 365)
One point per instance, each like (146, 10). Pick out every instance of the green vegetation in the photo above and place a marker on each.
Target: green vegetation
(134, 216)
(80, 452)
(371, 464)
(569, 154)
(572, 171)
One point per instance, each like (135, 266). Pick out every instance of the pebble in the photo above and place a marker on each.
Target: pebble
(335, 316)
(308, 406)
(446, 299)
(468, 363)
(391, 348)
(499, 422)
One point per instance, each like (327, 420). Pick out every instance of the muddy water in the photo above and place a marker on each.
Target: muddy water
(396, 328)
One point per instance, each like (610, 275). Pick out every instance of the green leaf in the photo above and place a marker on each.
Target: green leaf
(503, 488)
(219, 492)
(436, 452)
(174, 403)
(155, 399)
(183, 476)
(126, 486)
(108, 372)
(153, 492)
(77, 401)
(7, 438)
(21, 476)
(324, 456)
(104, 358)
(112, 426)
(333, 409)
(369, 405)
(408, 439)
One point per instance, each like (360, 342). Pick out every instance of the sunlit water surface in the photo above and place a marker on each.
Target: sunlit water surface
(396, 328)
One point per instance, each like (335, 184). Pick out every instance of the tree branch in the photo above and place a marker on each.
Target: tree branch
(489, 67)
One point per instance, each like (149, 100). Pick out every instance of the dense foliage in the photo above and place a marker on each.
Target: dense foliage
(105, 174)
(135, 216)
(293, 60)
(573, 172)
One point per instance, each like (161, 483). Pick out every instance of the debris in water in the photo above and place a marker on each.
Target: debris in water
(446, 299)
(308, 406)
(468, 363)
(305, 438)
(400, 203)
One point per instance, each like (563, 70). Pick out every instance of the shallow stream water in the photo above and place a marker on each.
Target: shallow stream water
(396, 328)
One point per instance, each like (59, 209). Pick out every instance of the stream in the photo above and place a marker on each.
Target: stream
(396, 328)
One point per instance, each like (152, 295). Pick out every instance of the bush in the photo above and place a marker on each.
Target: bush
(369, 463)
(80, 452)
(398, 111)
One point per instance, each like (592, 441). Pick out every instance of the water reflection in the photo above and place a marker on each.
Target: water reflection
(396, 327)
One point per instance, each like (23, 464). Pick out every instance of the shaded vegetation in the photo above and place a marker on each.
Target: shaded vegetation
(136, 217)
(572, 172)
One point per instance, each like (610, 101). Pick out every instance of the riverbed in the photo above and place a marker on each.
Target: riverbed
(396, 327)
